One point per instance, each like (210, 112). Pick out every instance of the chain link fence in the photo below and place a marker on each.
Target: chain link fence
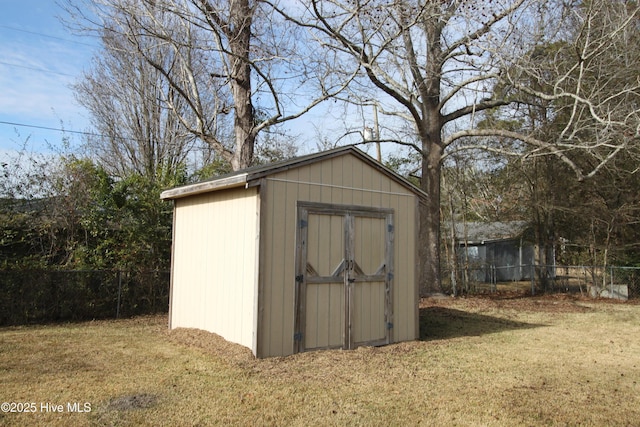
(595, 281)
(36, 296)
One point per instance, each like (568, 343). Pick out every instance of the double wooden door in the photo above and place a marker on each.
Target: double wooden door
(344, 276)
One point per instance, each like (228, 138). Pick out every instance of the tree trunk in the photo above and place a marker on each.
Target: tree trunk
(430, 131)
(240, 44)
(430, 280)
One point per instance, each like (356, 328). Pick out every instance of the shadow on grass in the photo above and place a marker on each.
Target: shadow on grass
(438, 323)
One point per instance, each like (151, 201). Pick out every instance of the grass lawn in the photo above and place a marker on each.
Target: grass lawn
(480, 362)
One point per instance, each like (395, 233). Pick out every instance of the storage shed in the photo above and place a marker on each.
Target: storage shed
(315, 252)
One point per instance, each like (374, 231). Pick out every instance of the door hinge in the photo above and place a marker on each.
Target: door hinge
(389, 325)
(299, 278)
(297, 336)
(390, 228)
(303, 223)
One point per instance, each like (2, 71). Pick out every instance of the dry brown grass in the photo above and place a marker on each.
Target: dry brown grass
(480, 362)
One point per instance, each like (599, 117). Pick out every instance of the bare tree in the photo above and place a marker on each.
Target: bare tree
(127, 101)
(442, 65)
(231, 60)
(583, 83)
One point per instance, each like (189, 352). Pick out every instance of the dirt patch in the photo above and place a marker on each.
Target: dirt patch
(132, 402)
(213, 344)
(313, 365)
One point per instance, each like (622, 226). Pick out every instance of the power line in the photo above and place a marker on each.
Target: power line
(55, 129)
(77, 132)
(46, 35)
(42, 70)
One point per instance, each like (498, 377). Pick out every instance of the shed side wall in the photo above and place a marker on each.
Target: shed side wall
(214, 264)
(346, 180)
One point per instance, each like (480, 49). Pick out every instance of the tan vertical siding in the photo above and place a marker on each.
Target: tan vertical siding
(405, 302)
(369, 299)
(345, 180)
(278, 240)
(234, 257)
(214, 264)
(325, 301)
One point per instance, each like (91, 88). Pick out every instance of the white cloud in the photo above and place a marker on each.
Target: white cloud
(39, 61)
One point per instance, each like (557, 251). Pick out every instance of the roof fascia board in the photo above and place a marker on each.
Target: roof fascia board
(336, 153)
(296, 163)
(252, 178)
(391, 174)
(205, 187)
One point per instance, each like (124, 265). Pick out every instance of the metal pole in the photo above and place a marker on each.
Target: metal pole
(611, 279)
(376, 128)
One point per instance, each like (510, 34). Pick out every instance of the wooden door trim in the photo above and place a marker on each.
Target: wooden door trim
(349, 212)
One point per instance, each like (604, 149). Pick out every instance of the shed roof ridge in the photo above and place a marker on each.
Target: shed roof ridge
(245, 176)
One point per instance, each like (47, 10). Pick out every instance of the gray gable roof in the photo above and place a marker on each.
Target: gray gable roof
(251, 176)
(483, 232)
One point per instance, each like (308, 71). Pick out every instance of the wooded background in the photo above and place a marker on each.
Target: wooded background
(499, 110)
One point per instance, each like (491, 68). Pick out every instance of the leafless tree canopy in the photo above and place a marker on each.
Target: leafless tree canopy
(127, 100)
(446, 66)
(231, 62)
(516, 77)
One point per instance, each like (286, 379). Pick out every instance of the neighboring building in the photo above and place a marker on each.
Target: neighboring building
(495, 251)
(311, 253)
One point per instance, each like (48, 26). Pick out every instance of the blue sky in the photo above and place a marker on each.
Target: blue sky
(39, 60)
